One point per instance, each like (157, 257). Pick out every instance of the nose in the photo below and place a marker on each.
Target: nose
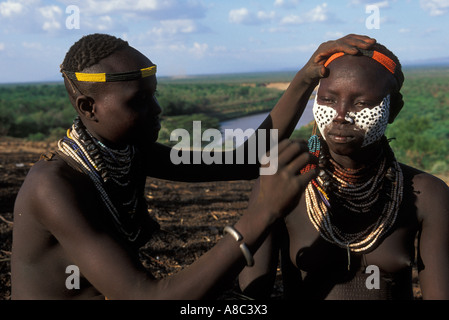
(155, 108)
(343, 110)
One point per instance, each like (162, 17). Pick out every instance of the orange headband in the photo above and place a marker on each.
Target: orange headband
(389, 64)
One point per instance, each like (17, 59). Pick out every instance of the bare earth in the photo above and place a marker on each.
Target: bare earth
(192, 216)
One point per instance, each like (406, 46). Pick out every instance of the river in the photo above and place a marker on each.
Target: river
(254, 121)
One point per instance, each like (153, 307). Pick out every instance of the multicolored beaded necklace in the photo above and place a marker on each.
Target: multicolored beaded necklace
(111, 171)
(373, 193)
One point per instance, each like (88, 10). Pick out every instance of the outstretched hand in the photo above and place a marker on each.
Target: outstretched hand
(350, 44)
(280, 192)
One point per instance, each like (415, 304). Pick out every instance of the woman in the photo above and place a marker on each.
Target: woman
(352, 235)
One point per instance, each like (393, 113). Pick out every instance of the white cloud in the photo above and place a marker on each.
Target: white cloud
(10, 8)
(317, 14)
(199, 49)
(244, 16)
(239, 15)
(2, 46)
(105, 23)
(101, 15)
(266, 16)
(101, 7)
(285, 4)
(168, 29)
(333, 34)
(156, 9)
(435, 7)
(30, 16)
(292, 19)
(52, 15)
(380, 4)
(179, 26)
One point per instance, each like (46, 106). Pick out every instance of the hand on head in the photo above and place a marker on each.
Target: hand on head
(349, 44)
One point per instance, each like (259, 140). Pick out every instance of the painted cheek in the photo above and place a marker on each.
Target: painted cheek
(373, 121)
(323, 116)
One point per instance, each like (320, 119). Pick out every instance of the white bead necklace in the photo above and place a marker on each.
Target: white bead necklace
(358, 197)
(108, 169)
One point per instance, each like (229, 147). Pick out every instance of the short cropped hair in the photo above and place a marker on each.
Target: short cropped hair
(90, 49)
(85, 53)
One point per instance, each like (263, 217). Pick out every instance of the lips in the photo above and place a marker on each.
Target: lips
(155, 124)
(340, 136)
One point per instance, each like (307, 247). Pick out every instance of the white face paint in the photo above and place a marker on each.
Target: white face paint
(371, 120)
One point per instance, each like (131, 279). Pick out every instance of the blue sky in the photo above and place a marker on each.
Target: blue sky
(188, 37)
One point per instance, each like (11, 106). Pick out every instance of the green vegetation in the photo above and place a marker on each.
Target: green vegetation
(420, 132)
(34, 111)
(41, 111)
(222, 101)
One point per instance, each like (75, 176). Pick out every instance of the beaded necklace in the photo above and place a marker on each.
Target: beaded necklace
(370, 193)
(112, 173)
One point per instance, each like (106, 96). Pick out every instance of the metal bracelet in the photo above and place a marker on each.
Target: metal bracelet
(243, 247)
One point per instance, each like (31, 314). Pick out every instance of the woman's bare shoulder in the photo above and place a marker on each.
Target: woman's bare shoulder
(431, 192)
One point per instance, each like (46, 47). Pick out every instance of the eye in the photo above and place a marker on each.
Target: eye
(326, 100)
(361, 104)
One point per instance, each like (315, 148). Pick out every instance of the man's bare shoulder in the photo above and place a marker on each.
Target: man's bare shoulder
(51, 173)
(49, 182)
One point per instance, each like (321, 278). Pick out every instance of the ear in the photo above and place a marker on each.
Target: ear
(86, 106)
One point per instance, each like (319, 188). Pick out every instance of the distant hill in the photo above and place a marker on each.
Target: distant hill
(444, 61)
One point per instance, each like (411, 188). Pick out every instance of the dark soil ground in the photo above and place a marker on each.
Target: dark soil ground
(192, 216)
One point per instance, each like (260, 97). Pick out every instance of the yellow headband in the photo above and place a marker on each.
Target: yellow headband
(110, 77)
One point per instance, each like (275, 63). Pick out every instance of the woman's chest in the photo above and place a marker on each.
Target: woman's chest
(309, 251)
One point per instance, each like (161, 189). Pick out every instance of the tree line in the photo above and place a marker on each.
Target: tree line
(420, 133)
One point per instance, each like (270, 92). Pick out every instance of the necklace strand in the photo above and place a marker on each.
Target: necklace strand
(105, 167)
(357, 191)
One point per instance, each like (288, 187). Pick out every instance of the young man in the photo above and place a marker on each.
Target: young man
(82, 207)
(352, 235)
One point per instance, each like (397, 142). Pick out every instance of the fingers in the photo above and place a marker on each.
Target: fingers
(283, 189)
(290, 150)
(318, 71)
(301, 161)
(352, 42)
(357, 40)
(294, 155)
(349, 44)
